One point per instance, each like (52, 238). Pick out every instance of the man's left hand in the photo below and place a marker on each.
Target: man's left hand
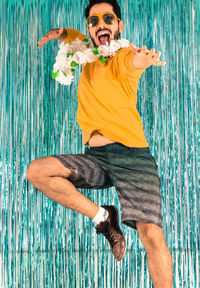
(144, 58)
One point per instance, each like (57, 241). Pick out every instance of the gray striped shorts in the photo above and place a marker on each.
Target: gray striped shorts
(133, 173)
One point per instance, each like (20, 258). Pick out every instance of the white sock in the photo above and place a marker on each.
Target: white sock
(102, 215)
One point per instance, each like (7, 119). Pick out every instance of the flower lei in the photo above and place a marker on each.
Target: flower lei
(81, 52)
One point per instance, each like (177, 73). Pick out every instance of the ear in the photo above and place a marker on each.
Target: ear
(121, 26)
(87, 30)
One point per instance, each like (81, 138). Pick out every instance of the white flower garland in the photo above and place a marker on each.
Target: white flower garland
(81, 52)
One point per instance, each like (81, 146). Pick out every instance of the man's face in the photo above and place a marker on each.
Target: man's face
(112, 30)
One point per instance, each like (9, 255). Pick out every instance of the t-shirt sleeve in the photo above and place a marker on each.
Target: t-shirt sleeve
(125, 65)
(72, 34)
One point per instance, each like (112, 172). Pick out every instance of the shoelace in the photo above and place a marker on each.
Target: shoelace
(107, 233)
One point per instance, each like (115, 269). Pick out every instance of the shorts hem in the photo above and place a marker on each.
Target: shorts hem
(132, 222)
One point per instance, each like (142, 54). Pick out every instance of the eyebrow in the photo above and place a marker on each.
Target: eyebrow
(102, 13)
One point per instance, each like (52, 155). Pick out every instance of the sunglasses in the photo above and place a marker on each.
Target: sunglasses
(109, 19)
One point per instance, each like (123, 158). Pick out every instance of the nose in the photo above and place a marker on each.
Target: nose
(102, 26)
(101, 23)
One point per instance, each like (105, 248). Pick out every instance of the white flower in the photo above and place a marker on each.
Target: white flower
(104, 50)
(60, 59)
(82, 53)
(109, 50)
(90, 56)
(80, 58)
(78, 45)
(115, 45)
(123, 42)
(62, 79)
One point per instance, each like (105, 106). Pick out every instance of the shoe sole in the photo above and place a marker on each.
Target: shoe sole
(116, 210)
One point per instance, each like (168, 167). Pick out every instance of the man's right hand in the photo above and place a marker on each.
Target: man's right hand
(52, 34)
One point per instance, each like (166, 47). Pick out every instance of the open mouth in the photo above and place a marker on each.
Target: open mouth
(104, 38)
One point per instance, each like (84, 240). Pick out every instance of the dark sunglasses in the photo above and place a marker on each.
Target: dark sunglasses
(109, 19)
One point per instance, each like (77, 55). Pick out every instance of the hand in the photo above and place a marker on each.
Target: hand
(52, 34)
(144, 58)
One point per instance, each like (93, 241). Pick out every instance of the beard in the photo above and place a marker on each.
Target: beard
(116, 36)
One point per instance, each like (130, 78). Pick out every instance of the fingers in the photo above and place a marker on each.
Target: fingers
(134, 48)
(52, 34)
(40, 43)
(159, 63)
(149, 56)
(152, 52)
(44, 40)
(144, 50)
(154, 57)
(61, 30)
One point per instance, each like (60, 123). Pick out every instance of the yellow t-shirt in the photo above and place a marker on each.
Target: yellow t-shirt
(107, 97)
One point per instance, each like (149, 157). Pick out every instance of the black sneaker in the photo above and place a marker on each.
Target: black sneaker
(111, 230)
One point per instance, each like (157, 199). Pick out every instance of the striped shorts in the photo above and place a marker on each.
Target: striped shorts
(133, 173)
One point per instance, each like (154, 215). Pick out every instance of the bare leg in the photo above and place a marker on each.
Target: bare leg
(158, 255)
(58, 188)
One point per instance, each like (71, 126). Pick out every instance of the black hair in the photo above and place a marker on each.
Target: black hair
(113, 3)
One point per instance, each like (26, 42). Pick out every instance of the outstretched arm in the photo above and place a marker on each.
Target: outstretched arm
(58, 33)
(143, 58)
(62, 34)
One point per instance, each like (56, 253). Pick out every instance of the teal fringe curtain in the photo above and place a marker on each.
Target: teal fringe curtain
(43, 244)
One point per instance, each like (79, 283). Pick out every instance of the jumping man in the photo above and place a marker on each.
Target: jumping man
(118, 153)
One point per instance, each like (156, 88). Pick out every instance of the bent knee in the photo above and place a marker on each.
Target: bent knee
(151, 235)
(47, 167)
(34, 171)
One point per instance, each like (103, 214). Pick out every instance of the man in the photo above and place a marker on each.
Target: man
(118, 154)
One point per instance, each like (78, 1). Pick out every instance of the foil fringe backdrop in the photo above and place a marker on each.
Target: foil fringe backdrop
(43, 244)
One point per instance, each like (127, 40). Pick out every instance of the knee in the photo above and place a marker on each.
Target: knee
(32, 172)
(151, 235)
